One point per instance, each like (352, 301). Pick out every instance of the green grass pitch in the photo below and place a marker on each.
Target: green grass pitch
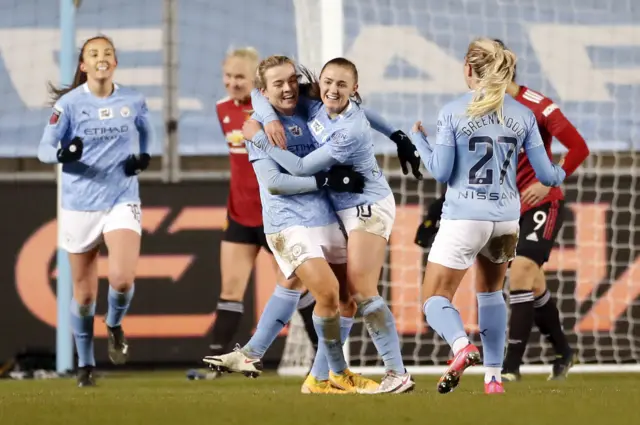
(168, 398)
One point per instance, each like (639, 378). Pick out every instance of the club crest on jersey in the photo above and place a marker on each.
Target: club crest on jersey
(125, 112)
(317, 127)
(105, 113)
(295, 130)
(226, 120)
(55, 116)
(338, 137)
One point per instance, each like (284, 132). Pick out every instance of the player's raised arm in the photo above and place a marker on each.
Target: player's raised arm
(407, 152)
(440, 159)
(262, 109)
(547, 172)
(265, 113)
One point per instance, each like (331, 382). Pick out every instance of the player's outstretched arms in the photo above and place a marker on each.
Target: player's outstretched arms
(407, 152)
(278, 183)
(316, 161)
(339, 178)
(438, 160)
(547, 172)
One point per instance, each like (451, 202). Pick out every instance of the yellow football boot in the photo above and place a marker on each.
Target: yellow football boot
(313, 386)
(352, 382)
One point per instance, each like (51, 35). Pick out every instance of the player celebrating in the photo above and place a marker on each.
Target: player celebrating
(541, 215)
(238, 361)
(94, 121)
(244, 235)
(478, 137)
(302, 229)
(341, 127)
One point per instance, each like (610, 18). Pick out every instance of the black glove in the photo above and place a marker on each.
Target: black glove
(407, 154)
(341, 178)
(136, 164)
(429, 227)
(71, 152)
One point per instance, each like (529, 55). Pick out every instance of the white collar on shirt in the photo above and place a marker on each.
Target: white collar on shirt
(343, 114)
(85, 86)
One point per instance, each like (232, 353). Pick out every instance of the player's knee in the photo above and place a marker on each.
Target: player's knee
(84, 297)
(233, 288)
(345, 295)
(440, 281)
(327, 297)
(348, 308)
(121, 280)
(523, 274)
(293, 284)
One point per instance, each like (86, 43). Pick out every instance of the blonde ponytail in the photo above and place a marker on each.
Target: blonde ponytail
(494, 67)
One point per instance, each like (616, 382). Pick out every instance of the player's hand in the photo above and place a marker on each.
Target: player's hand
(341, 178)
(418, 128)
(429, 227)
(275, 134)
(534, 193)
(136, 164)
(425, 233)
(418, 132)
(250, 128)
(407, 154)
(70, 152)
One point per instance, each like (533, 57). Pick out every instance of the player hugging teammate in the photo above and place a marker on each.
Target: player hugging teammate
(326, 132)
(244, 233)
(541, 217)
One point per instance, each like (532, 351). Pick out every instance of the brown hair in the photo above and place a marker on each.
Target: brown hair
(346, 63)
(80, 77)
(268, 63)
(309, 86)
(494, 67)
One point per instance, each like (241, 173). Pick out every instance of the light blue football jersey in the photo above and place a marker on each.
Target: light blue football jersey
(477, 158)
(111, 128)
(279, 212)
(351, 143)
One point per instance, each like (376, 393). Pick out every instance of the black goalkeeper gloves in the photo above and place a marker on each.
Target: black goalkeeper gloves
(341, 178)
(407, 154)
(429, 227)
(71, 152)
(136, 164)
